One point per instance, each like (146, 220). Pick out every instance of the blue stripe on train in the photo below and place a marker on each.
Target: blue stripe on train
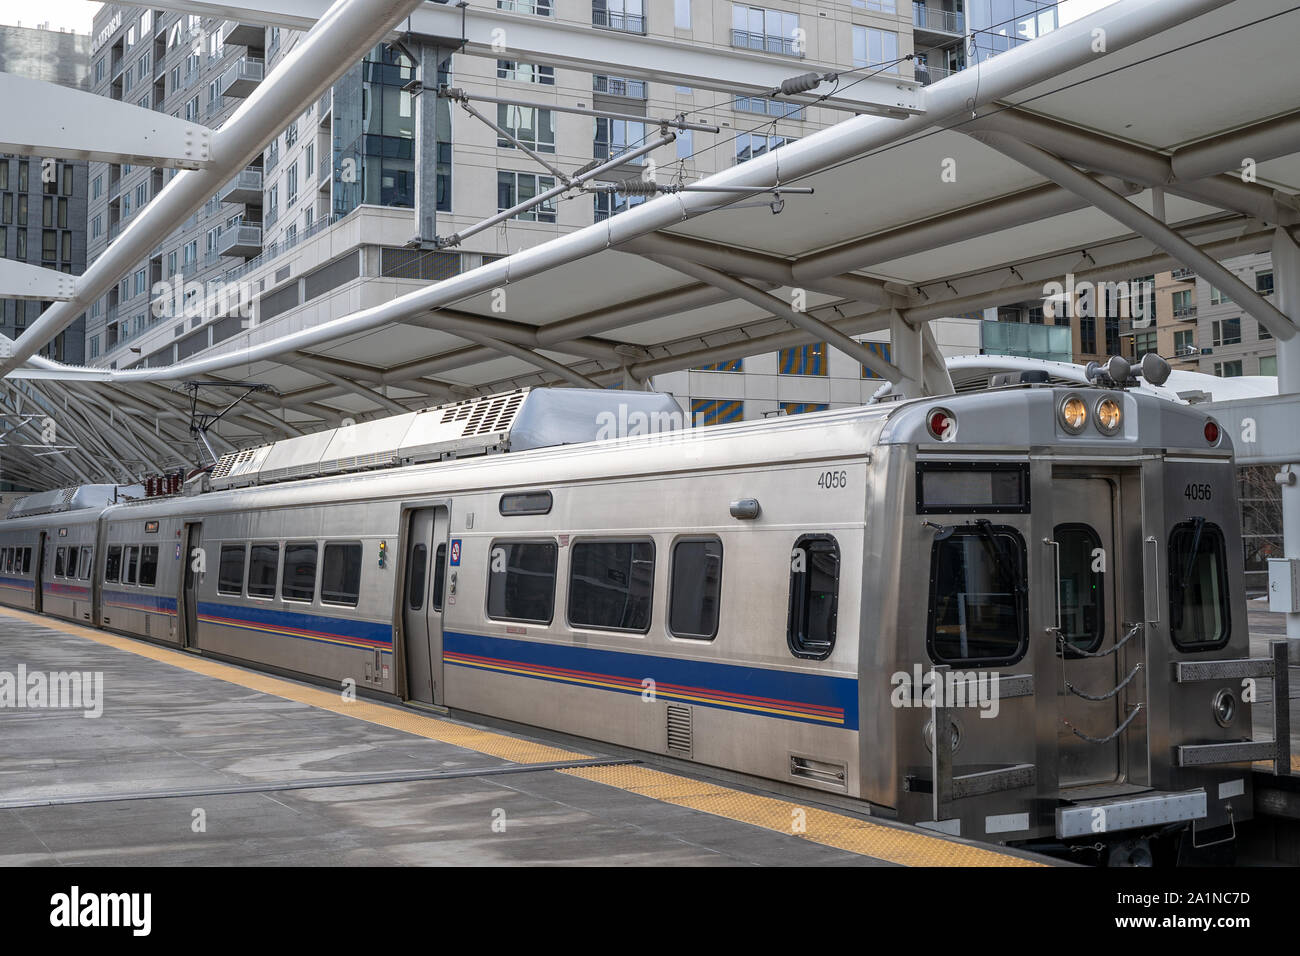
(790, 695)
(311, 627)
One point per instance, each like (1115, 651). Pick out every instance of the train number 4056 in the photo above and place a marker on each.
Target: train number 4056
(833, 479)
(1197, 492)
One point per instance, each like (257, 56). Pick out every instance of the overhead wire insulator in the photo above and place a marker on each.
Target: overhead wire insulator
(637, 187)
(802, 83)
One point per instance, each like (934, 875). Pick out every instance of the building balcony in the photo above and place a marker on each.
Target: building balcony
(245, 188)
(324, 177)
(244, 34)
(611, 20)
(243, 77)
(323, 107)
(1186, 313)
(764, 43)
(1182, 275)
(934, 25)
(243, 241)
(927, 73)
(618, 86)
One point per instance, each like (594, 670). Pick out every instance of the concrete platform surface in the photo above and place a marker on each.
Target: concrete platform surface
(199, 762)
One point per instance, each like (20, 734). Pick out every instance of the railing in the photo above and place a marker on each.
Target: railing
(628, 23)
(1186, 312)
(938, 21)
(270, 252)
(325, 170)
(927, 73)
(1183, 274)
(240, 235)
(764, 43)
(245, 68)
(323, 105)
(249, 179)
(618, 86)
(270, 216)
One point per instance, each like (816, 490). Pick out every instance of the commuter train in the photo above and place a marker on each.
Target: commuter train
(1049, 573)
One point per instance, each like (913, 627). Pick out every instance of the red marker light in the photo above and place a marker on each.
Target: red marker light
(1211, 432)
(942, 424)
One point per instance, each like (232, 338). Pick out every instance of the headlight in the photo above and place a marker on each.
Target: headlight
(1108, 416)
(1073, 414)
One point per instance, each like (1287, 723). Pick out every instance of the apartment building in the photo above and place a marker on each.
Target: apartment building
(43, 201)
(1231, 342)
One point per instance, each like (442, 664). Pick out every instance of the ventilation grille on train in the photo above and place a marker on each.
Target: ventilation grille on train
(679, 730)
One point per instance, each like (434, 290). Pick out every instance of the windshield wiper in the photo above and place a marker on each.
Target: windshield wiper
(1008, 566)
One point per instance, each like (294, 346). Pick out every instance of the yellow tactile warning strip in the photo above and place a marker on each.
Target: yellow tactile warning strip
(892, 844)
(432, 728)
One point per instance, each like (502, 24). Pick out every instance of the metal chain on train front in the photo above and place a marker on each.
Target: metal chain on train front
(1110, 693)
(1108, 651)
(1137, 709)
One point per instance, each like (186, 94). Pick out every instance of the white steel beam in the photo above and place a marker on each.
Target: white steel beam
(48, 120)
(20, 280)
(579, 46)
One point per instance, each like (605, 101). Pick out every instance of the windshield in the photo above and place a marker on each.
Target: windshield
(977, 606)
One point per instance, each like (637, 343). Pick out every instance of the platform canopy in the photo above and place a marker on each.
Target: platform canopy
(1149, 135)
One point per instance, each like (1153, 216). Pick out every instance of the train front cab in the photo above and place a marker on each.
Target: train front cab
(1095, 574)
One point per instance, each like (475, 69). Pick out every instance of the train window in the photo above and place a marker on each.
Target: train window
(526, 503)
(6, 559)
(263, 563)
(230, 574)
(60, 560)
(695, 583)
(340, 577)
(113, 564)
(814, 596)
(521, 581)
(130, 565)
(148, 565)
(27, 560)
(439, 575)
(610, 584)
(1198, 607)
(299, 580)
(87, 563)
(978, 595)
(415, 577)
(70, 567)
(1081, 594)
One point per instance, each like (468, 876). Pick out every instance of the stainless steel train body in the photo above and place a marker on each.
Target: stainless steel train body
(778, 598)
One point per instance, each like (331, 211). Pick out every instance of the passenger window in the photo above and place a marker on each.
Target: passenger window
(415, 576)
(610, 584)
(5, 563)
(694, 588)
(299, 583)
(1082, 600)
(814, 596)
(113, 564)
(148, 565)
(70, 568)
(130, 565)
(230, 575)
(1198, 607)
(439, 575)
(27, 560)
(977, 595)
(263, 563)
(340, 581)
(87, 563)
(60, 559)
(521, 581)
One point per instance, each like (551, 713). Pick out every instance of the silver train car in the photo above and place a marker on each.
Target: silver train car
(1051, 575)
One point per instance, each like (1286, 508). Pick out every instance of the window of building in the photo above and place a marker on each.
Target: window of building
(618, 86)
(1264, 282)
(1198, 606)
(695, 588)
(611, 584)
(1182, 301)
(521, 581)
(802, 360)
(525, 72)
(771, 31)
(533, 127)
(1227, 331)
(611, 204)
(1218, 296)
(615, 136)
(716, 411)
(515, 188)
(879, 6)
(291, 185)
(682, 14)
(767, 106)
(750, 145)
(872, 47)
(1228, 369)
(299, 575)
(263, 563)
(1268, 365)
(541, 8)
(1184, 342)
(977, 595)
(814, 596)
(626, 15)
(1144, 342)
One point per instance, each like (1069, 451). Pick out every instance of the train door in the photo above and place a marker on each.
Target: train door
(189, 604)
(422, 603)
(38, 568)
(1095, 689)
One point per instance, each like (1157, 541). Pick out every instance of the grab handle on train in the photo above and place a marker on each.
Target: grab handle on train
(1056, 587)
(1151, 584)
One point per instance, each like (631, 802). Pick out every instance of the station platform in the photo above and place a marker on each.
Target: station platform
(199, 762)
